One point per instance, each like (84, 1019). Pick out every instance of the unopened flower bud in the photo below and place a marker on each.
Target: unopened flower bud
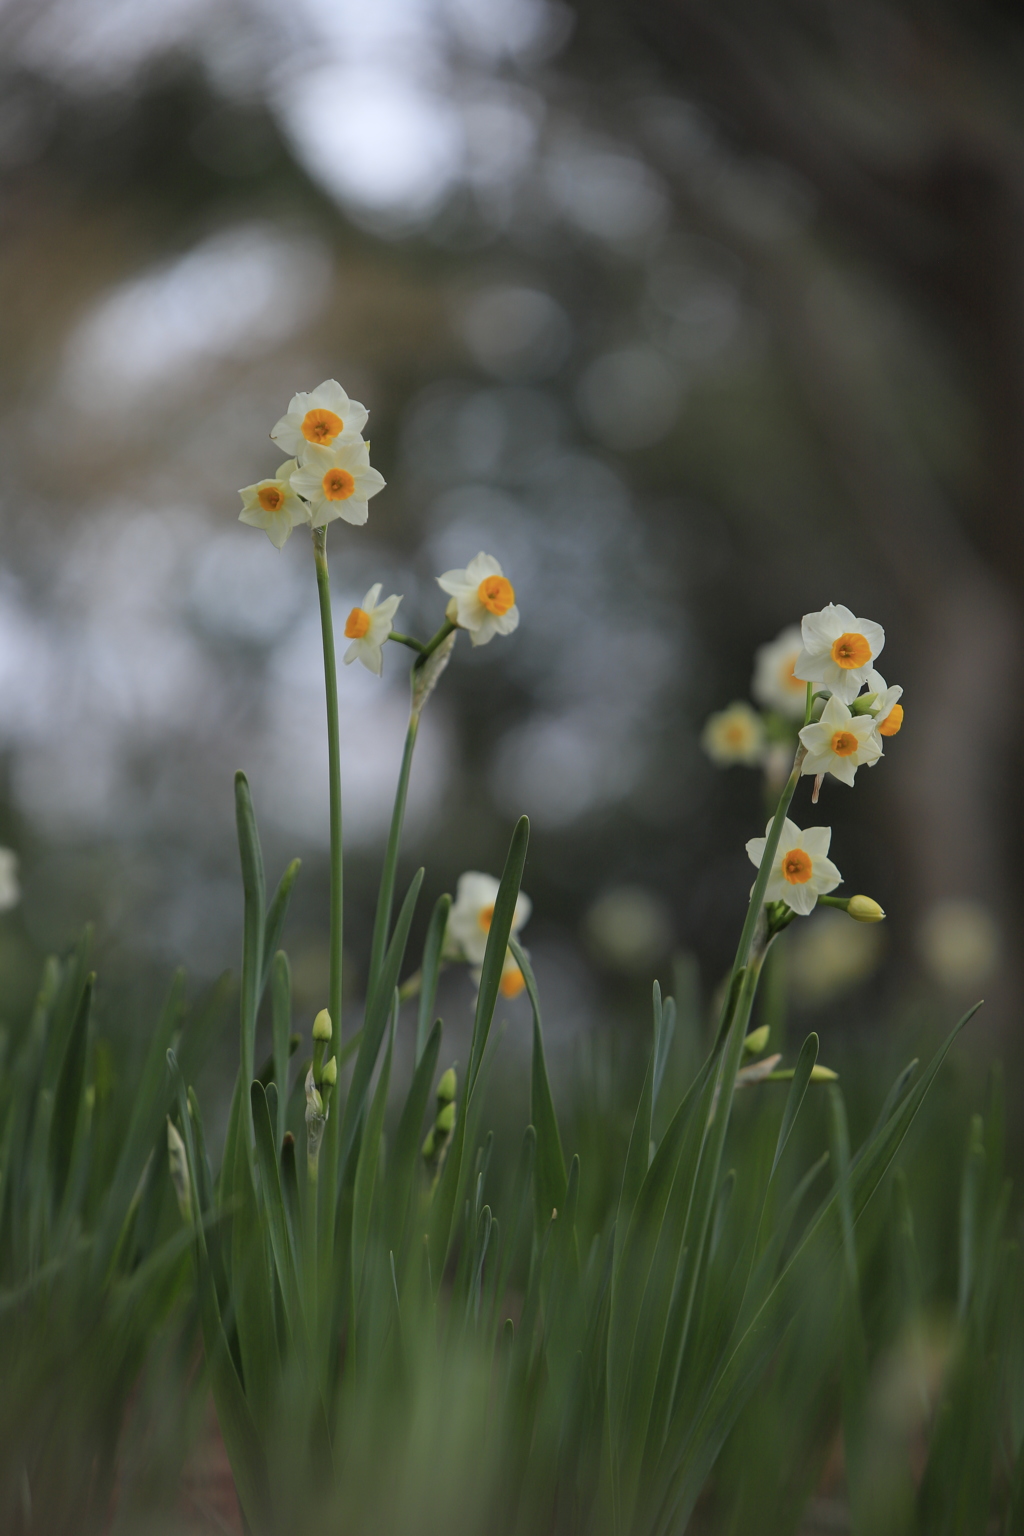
(428, 1146)
(756, 1040)
(821, 1074)
(177, 1162)
(322, 1025)
(445, 1122)
(864, 910)
(446, 1088)
(451, 612)
(329, 1074)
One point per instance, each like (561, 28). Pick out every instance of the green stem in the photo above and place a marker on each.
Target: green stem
(431, 646)
(323, 583)
(415, 645)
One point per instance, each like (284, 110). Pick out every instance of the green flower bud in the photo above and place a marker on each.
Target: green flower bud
(428, 1147)
(322, 1025)
(445, 1121)
(820, 1074)
(329, 1074)
(756, 1040)
(447, 1087)
(177, 1161)
(864, 910)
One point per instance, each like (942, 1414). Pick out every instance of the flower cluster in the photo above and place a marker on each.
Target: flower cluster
(820, 692)
(853, 709)
(329, 477)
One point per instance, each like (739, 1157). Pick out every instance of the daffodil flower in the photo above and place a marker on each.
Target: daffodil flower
(838, 650)
(471, 915)
(512, 979)
(273, 505)
(483, 599)
(734, 735)
(325, 416)
(840, 742)
(886, 710)
(338, 482)
(775, 684)
(368, 627)
(802, 870)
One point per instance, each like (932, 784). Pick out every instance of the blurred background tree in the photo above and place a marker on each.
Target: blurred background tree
(698, 316)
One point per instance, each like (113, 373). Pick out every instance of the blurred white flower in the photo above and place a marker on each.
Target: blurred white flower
(734, 735)
(368, 628)
(802, 870)
(483, 600)
(840, 742)
(831, 955)
(838, 650)
(337, 481)
(10, 889)
(775, 686)
(885, 709)
(629, 929)
(273, 505)
(959, 942)
(324, 416)
(469, 921)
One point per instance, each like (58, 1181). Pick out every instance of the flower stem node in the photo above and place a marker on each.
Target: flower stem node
(447, 1087)
(322, 1025)
(756, 1040)
(864, 909)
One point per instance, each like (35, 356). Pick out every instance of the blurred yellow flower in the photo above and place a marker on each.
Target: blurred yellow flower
(734, 735)
(775, 685)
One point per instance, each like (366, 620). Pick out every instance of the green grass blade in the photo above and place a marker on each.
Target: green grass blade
(386, 893)
(274, 1209)
(378, 1009)
(254, 891)
(281, 1028)
(497, 945)
(366, 1172)
(431, 970)
(68, 1095)
(795, 1098)
(275, 920)
(408, 1138)
(549, 1176)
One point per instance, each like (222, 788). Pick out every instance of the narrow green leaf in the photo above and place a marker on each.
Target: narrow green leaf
(497, 945)
(971, 1188)
(275, 920)
(549, 1177)
(273, 1205)
(251, 1294)
(281, 1027)
(801, 1077)
(431, 970)
(378, 1008)
(254, 922)
(408, 1138)
(68, 1096)
(386, 894)
(366, 1171)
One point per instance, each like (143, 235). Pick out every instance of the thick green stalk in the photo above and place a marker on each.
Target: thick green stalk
(323, 584)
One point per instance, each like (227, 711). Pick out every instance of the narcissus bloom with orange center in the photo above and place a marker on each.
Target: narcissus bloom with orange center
(801, 870)
(734, 735)
(886, 710)
(838, 650)
(471, 915)
(325, 416)
(337, 482)
(484, 601)
(840, 742)
(775, 685)
(368, 627)
(273, 505)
